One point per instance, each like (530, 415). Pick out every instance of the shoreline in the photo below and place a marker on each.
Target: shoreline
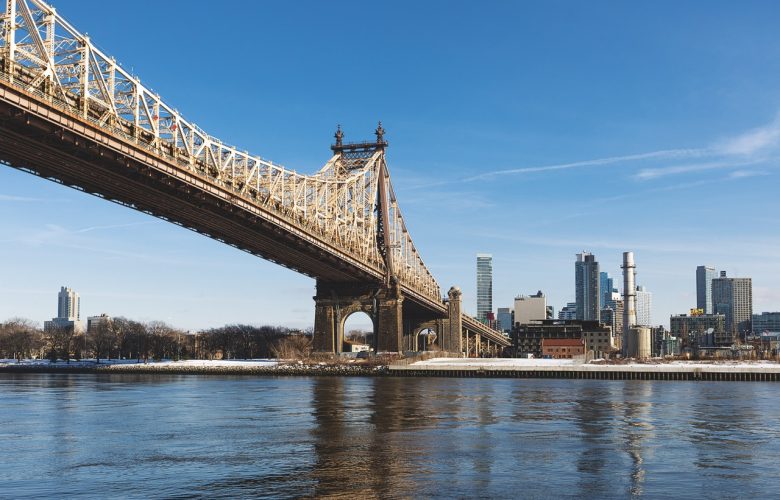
(436, 367)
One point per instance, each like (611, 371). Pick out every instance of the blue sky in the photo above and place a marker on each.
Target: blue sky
(532, 131)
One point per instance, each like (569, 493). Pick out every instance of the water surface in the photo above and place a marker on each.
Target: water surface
(143, 436)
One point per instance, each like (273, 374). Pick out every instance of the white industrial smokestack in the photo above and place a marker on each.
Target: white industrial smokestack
(629, 295)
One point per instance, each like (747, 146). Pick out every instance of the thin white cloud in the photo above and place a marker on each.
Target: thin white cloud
(20, 199)
(753, 141)
(115, 226)
(663, 154)
(741, 174)
(655, 173)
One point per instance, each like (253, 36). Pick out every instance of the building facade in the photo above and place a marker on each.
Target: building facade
(68, 312)
(484, 285)
(527, 339)
(95, 322)
(612, 315)
(700, 329)
(568, 312)
(530, 308)
(586, 281)
(766, 322)
(644, 305)
(68, 304)
(562, 348)
(704, 277)
(606, 287)
(733, 297)
(504, 318)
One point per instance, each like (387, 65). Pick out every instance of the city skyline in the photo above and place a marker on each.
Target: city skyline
(527, 165)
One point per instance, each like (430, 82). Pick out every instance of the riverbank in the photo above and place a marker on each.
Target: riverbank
(196, 367)
(743, 371)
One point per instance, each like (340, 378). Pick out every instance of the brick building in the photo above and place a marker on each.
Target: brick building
(562, 348)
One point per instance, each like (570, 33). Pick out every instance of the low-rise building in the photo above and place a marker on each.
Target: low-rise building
(562, 348)
(766, 322)
(527, 339)
(700, 329)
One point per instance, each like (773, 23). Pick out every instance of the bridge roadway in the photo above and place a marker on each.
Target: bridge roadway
(45, 137)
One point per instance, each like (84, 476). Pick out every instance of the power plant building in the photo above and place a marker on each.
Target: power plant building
(629, 296)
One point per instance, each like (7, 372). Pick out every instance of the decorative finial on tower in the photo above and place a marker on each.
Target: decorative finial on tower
(380, 134)
(339, 135)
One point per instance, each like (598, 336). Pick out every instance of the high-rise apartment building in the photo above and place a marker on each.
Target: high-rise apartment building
(586, 280)
(68, 304)
(704, 277)
(644, 305)
(68, 312)
(484, 285)
(733, 297)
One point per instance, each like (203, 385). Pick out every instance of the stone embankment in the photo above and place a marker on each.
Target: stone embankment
(272, 369)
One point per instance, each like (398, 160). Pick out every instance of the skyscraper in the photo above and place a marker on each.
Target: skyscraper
(733, 297)
(484, 285)
(68, 304)
(644, 305)
(605, 287)
(704, 277)
(586, 280)
(68, 312)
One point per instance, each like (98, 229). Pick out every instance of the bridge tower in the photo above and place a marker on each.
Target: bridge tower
(381, 300)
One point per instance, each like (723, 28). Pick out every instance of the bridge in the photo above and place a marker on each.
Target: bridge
(71, 114)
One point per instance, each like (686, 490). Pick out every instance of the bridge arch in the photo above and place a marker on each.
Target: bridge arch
(357, 318)
(426, 339)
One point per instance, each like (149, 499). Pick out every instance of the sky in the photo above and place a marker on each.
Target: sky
(529, 130)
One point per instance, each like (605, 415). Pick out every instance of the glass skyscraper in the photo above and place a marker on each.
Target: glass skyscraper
(484, 285)
(704, 277)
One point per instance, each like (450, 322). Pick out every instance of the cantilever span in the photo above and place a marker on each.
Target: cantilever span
(70, 113)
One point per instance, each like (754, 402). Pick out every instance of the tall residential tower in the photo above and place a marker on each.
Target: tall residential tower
(484, 285)
(586, 280)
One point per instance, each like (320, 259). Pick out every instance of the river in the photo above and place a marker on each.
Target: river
(141, 436)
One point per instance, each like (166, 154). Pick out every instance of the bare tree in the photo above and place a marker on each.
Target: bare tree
(19, 338)
(59, 340)
(102, 338)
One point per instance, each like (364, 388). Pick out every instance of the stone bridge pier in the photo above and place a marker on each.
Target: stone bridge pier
(397, 321)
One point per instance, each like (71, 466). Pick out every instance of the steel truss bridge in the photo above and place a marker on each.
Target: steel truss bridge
(71, 114)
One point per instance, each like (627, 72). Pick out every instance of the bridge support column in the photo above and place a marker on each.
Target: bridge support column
(390, 322)
(325, 330)
(335, 302)
(452, 326)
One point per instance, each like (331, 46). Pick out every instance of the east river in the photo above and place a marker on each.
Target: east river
(141, 436)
